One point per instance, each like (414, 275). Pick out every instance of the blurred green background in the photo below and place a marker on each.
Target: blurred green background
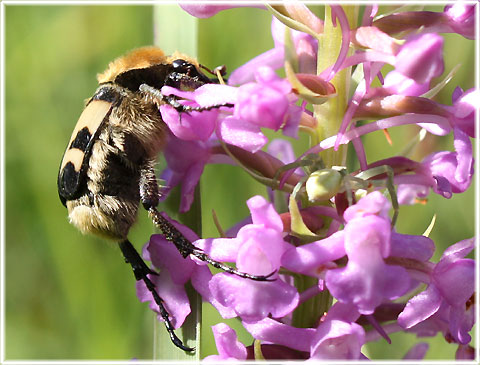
(70, 296)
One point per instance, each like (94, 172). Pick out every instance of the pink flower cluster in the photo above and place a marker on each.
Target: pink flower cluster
(340, 238)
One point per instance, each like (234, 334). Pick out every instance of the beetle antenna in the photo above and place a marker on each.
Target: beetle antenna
(222, 70)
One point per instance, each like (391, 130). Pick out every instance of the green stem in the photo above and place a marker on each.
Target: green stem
(190, 331)
(330, 114)
(175, 30)
(309, 312)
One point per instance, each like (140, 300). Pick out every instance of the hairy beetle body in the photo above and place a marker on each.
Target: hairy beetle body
(103, 187)
(108, 166)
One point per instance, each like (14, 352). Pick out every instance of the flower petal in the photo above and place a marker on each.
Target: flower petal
(313, 258)
(279, 333)
(257, 299)
(263, 213)
(337, 340)
(227, 343)
(174, 297)
(200, 281)
(420, 307)
(237, 132)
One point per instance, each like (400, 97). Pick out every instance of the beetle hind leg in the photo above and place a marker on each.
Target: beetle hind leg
(141, 270)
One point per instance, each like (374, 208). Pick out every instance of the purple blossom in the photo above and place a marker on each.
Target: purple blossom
(339, 243)
(201, 10)
(397, 83)
(420, 248)
(264, 103)
(257, 250)
(450, 289)
(344, 312)
(270, 330)
(464, 106)
(409, 194)
(445, 172)
(333, 339)
(421, 57)
(228, 346)
(375, 39)
(258, 300)
(283, 150)
(315, 258)
(186, 161)
(461, 18)
(268, 102)
(244, 135)
(417, 352)
(367, 280)
(194, 126)
(337, 340)
(201, 279)
(452, 170)
(305, 46)
(174, 273)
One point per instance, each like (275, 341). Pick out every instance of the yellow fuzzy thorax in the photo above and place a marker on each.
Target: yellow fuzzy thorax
(140, 58)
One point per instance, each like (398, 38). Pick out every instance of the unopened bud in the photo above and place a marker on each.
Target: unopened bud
(323, 184)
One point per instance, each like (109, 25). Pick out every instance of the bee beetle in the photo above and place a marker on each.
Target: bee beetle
(108, 166)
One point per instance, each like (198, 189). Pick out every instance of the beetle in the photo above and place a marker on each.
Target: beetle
(108, 166)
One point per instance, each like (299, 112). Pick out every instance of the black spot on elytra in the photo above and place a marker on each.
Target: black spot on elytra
(71, 183)
(68, 182)
(81, 139)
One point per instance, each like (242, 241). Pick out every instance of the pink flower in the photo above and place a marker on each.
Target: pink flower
(238, 113)
(464, 107)
(399, 84)
(421, 57)
(451, 288)
(202, 10)
(186, 161)
(228, 346)
(461, 18)
(367, 280)
(257, 250)
(305, 45)
(174, 272)
(337, 340)
(266, 102)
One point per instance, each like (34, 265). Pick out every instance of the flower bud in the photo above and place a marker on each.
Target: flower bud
(421, 58)
(396, 83)
(323, 184)
(461, 18)
(265, 102)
